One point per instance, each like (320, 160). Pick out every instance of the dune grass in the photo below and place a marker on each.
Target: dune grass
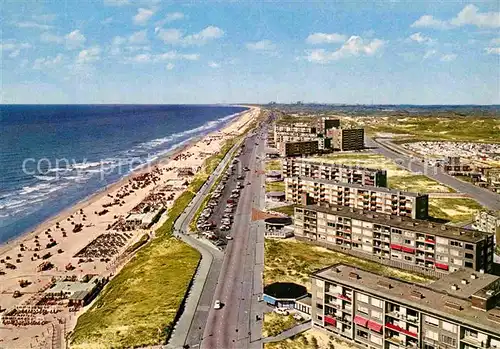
(288, 210)
(453, 210)
(273, 165)
(274, 324)
(294, 261)
(275, 186)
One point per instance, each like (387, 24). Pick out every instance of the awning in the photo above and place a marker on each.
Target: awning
(430, 241)
(399, 329)
(341, 296)
(408, 249)
(359, 320)
(396, 247)
(374, 326)
(442, 266)
(331, 321)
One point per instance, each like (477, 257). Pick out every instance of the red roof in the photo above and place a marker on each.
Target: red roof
(396, 247)
(359, 320)
(374, 326)
(330, 320)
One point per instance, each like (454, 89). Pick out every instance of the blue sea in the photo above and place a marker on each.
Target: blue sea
(53, 156)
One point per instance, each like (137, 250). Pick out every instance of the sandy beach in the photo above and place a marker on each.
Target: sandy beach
(90, 239)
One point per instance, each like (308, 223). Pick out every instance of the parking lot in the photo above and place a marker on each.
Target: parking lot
(216, 221)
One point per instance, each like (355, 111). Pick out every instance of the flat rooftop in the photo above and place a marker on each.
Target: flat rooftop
(360, 187)
(430, 301)
(73, 286)
(315, 161)
(406, 223)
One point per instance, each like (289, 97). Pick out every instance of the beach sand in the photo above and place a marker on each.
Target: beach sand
(26, 254)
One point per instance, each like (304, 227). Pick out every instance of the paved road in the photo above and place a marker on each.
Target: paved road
(240, 280)
(483, 196)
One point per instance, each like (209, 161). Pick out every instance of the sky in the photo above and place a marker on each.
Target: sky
(176, 52)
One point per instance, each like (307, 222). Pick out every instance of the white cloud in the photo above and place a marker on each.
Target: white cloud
(31, 24)
(139, 37)
(448, 57)
(263, 45)
(171, 17)
(74, 40)
(89, 55)
(421, 39)
(13, 48)
(495, 41)
(162, 57)
(354, 46)
(429, 53)
(323, 38)
(469, 15)
(143, 15)
(213, 64)
(176, 37)
(492, 50)
(170, 66)
(116, 2)
(49, 17)
(48, 62)
(428, 21)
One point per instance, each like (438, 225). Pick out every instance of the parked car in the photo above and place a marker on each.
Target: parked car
(224, 228)
(281, 311)
(229, 237)
(217, 304)
(298, 317)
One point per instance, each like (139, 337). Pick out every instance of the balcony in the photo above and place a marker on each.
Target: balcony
(396, 328)
(400, 316)
(474, 342)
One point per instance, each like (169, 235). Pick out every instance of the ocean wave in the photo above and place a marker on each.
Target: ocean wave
(30, 189)
(45, 178)
(85, 165)
(59, 169)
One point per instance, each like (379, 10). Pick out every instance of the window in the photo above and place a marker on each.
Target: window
(376, 315)
(376, 339)
(469, 255)
(469, 264)
(408, 258)
(431, 335)
(319, 306)
(407, 241)
(431, 320)
(376, 302)
(363, 298)
(449, 340)
(447, 326)
(362, 309)
(320, 283)
(320, 318)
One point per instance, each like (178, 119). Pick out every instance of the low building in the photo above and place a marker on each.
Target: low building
(345, 139)
(273, 176)
(77, 293)
(315, 168)
(283, 294)
(278, 227)
(299, 148)
(401, 242)
(306, 190)
(276, 196)
(373, 311)
(304, 305)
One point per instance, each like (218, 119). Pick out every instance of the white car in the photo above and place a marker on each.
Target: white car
(229, 237)
(281, 311)
(217, 304)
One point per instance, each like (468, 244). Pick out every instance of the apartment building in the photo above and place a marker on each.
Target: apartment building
(306, 190)
(377, 312)
(344, 139)
(288, 132)
(314, 168)
(302, 148)
(323, 124)
(402, 242)
(488, 221)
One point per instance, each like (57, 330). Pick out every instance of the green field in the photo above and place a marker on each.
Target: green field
(274, 324)
(456, 128)
(453, 210)
(273, 165)
(275, 186)
(397, 177)
(294, 261)
(288, 210)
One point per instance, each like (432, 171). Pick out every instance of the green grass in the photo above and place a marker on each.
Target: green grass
(273, 165)
(275, 186)
(274, 324)
(288, 210)
(294, 261)
(453, 210)
(144, 238)
(456, 128)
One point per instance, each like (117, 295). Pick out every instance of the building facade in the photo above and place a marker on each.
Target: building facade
(488, 221)
(294, 132)
(345, 139)
(402, 242)
(306, 190)
(325, 123)
(302, 148)
(377, 312)
(297, 167)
